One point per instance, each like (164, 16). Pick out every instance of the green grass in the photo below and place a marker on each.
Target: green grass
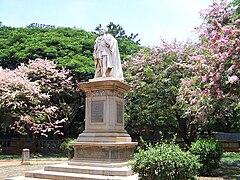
(228, 169)
(228, 173)
(10, 157)
(50, 156)
(231, 157)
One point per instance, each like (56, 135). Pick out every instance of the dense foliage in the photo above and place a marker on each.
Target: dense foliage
(165, 161)
(67, 147)
(186, 87)
(69, 47)
(118, 32)
(152, 105)
(181, 87)
(210, 152)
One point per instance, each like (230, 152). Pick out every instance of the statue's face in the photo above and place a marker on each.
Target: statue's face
(101, 31)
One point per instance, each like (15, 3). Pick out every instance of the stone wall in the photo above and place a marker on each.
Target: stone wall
(229, 141)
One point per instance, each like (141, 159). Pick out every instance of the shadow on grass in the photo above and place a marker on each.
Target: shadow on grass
(228, 172)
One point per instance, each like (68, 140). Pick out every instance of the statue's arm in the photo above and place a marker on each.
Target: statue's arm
(110, 41)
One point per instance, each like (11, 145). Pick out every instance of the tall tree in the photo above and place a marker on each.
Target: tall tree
(118, 32)
(71, 48)
(214, 86)
(152, 105)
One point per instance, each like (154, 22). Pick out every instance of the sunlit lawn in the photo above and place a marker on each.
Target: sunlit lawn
(231, 157)
(229, 170)
(19, 170)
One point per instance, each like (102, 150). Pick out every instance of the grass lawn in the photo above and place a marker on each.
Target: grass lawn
(229, 170)
(34, 157)
(231, 157)
(230, 166)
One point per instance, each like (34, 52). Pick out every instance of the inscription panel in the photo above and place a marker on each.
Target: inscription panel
(103, 153)
(119, 113)
(90, 153)
(97, 108)
(105, 93)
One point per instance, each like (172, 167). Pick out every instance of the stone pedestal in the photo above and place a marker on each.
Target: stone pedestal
(104, 112)
(104, 143)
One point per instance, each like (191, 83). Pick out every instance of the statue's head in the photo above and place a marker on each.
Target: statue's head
(102, 31)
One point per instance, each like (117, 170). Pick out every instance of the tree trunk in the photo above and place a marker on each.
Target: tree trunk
(186, 130)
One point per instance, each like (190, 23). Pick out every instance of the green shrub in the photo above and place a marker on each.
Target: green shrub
(210, 152)
(67, 147)
(165, 161)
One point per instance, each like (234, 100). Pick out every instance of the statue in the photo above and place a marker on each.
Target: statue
(106, 56)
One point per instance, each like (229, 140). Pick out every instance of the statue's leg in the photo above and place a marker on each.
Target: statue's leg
(104, 66)
(98, 65)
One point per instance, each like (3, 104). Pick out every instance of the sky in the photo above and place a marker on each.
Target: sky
(151, 19)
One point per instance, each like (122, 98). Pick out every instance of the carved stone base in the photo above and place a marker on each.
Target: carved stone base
(104, 151)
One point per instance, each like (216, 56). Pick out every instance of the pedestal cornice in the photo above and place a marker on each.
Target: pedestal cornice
(104, 85)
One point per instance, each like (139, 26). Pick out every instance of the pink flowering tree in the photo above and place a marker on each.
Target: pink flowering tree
(212, 93)
(36, 98)
(155, 75)
(185, 87)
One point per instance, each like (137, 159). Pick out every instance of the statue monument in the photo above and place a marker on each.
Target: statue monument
(104, 142)
(106, 56)
(104, 149)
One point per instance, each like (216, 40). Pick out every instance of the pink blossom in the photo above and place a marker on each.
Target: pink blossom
(234, 66)
(233, 79)
(194, 101)
(219, 93)
(26, 92)
(217, 76)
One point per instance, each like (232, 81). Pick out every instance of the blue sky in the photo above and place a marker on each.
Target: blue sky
(151, 19)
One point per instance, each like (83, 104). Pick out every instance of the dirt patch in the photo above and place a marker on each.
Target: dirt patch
(12, 168)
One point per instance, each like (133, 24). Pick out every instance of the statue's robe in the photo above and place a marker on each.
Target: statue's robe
(106, 46)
